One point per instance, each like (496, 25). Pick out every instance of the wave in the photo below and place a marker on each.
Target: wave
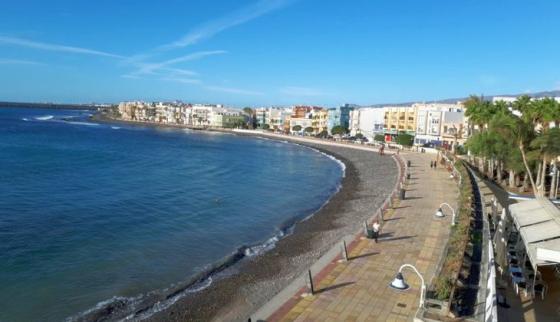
(115, 127)
(143, 306)
(44, 118)
(25, 119)
(82, 123)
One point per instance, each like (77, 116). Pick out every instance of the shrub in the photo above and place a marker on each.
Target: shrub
(405, 139)
(339, 129)
(458, 240)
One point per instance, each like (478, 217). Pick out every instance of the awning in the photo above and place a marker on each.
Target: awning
(538, 222)
(545, 253)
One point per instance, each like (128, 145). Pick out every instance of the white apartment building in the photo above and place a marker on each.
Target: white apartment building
(367, 121)
(304, 122)
(430, 120)
(274, 117)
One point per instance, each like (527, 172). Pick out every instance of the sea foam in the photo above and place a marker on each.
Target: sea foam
(44, 118)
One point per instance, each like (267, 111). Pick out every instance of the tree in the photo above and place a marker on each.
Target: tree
(548, 145)
(520, 132)
(379, 138)
(359, 136)
(266, 127)
(296, 128)
(339, 129)
(405, 139)
(309, 130)
(323, 134)
(248, 111)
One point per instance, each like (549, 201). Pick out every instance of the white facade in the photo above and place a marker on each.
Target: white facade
(367, 121)
(304, 122)
(439, 124)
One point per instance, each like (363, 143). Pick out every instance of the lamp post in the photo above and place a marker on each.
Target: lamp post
(399, 284)
(439, 212)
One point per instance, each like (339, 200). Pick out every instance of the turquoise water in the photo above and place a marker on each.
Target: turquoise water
(93, 213)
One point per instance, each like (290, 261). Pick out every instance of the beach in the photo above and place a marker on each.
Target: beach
(241, 289)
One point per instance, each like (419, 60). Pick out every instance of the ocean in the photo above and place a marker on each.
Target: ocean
(95, 215)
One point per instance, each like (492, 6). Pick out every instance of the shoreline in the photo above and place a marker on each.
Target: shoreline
(248, 282)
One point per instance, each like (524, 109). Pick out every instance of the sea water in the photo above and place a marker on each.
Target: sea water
(92, 213)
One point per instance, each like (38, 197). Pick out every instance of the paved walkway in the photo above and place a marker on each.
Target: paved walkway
(358, 290)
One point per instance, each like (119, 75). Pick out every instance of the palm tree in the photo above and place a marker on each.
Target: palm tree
(474, 112)
(548, 143)
(520, 133)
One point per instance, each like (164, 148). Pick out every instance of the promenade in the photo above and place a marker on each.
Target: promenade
(358, 290)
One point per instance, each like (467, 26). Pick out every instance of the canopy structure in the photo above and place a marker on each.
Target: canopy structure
(538, 222)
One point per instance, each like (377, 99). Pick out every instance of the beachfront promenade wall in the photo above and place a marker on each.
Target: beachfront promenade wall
(304, 284)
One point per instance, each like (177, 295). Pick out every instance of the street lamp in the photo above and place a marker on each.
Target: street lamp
(399, 284)
(439, 212)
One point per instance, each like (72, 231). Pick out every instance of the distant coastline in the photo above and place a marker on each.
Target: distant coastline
(50, 105)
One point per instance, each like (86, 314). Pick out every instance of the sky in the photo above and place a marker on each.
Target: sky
(276, 52)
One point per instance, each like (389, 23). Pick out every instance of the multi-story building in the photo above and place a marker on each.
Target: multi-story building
(273, 117)
(132, 111)
(340, 116)
(453, 129)
(226, 118)
(320, 121)
(303, 122)
(200, 115)
(367, 121)
(430, 128)
(399, 119)
(301, 111)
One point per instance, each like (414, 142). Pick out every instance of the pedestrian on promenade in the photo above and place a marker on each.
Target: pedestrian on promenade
(435, 164)
(376, 227)
(432, 164)
(381, 149)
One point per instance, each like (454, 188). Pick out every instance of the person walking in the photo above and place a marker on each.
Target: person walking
(435, 164)
(376, 227)
(431, 164)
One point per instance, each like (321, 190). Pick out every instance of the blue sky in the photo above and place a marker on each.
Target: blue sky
(276, 52)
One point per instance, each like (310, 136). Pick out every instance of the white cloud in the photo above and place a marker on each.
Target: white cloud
(18, 62)
(231, 90)
(152, 68)
(301, 91)
(182, 80)
(236, 18)
(53, 47)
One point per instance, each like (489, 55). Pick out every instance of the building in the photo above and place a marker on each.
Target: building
(261, 116)
(273, 117)
(303, 122)
(320, 121)
(301, 111)
(430, 128)
(340, 116)
(399, 119)
(367, 121)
